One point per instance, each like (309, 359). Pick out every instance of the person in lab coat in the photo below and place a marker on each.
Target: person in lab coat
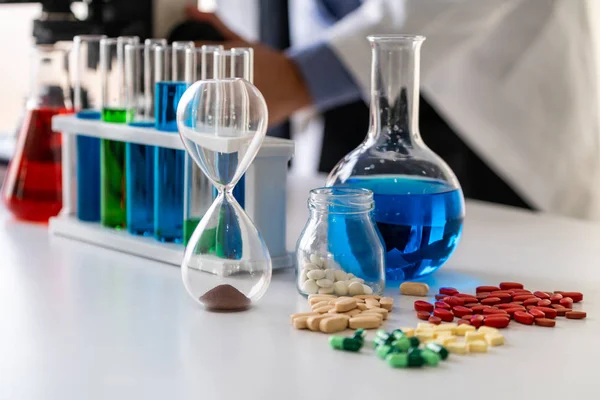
(516, 80)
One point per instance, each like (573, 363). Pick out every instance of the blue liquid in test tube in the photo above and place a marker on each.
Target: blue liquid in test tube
(168, 166)
(139, 179)
(88, 172)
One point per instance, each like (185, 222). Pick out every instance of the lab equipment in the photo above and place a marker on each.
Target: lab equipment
(419, 206)
(170, 78)
(86, 102)
(226, 264)
(112, 152)
(198, 191)
(32, 188)
(340, 251)
(139, 158)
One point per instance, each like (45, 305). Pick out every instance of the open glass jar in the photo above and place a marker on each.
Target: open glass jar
(340, 250)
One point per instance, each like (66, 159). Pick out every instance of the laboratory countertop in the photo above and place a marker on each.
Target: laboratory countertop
(81, 322)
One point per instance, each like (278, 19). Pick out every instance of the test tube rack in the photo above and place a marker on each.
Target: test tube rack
(265, 192)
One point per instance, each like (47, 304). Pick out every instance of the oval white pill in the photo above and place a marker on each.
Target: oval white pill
(310, 287)
(355, 288)
(324, 283)
(340, 275)
(340, 288)
(316, 274)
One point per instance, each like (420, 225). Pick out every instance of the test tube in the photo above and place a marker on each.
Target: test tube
(197, 196)
(170, 79)
(86, 102)
(235, 63)
(112, 152)
(139, 158)
(149, 64)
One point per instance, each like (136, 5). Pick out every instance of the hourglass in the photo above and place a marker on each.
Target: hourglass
(222, 124)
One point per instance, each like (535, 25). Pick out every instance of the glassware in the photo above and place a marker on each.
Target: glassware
(112, 152)
(236, 63)
(226, 266)
(32, 188)
(139, 158)
(170, 79)
(419, 206)
(86, 102)
(340, 250)
(197, 195)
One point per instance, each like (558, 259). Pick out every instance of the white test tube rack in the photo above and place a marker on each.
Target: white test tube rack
(265, 197)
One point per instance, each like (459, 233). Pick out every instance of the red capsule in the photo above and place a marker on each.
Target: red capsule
(454, 301)
(520, 291)
(576, 296)
(444, 314)
(504, 297)
(566, 302)
(421, 305)
(504, 306)
(482, 295)
(549, 323)
(529, 307)
(460, 311)
(544, 303)
(479, 309)
(562, 311)
(495, 292)
(512, 311)
(480, 289)
(493, 310)
(537, 313)
(523, 297)
(448, 291)
(524, 318)
(549, 312)
(477, 320)
(576, 315)
(467, 298)
(520, 303)
(490, 301)
(496, 322)
(467, 317)
(469, 305)
(510, 285)
(558, 291)
(441, 304)
(555, 298)
(463, 322)
(424, 315)
(434, 320)
(440, 296)
(541, 295)
(529, 302)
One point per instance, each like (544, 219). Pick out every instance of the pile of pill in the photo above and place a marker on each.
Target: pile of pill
(334, 314)
(400, 348)
(476, 340)
(496, 306)
(325, 276)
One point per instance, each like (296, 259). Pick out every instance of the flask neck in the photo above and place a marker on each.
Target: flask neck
(340, 200)
(395, 89)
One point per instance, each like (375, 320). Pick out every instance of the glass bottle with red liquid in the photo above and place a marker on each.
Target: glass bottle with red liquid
(32, 188)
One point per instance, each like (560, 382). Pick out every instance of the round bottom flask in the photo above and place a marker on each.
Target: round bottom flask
(226, 266)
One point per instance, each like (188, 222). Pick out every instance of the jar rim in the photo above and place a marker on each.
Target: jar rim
(396, 38)
(341, 199)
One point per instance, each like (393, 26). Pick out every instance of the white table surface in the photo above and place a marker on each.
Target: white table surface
(81, 323)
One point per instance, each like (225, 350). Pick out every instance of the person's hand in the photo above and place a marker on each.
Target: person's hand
(275, 75)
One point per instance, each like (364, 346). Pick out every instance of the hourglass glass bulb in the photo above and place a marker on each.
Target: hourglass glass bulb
(222, 124)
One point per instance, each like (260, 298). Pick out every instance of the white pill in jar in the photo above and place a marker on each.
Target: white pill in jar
(316, 274)
(303, 275)
(326, 290)
(310, 287)
(340, 275)
(340, 288)
(324, 283)
(367, 289)
(311, 266)
(315, 259)
(355, 288)
(329, 274)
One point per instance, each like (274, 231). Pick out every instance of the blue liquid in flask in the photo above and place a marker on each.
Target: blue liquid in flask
(88, 172)
(168, 166)
(420, 222)
(139, 161)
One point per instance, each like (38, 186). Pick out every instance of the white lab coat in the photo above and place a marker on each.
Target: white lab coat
(517, 79)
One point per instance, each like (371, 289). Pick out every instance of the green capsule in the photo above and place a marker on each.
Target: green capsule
(431, 358)
(397, 334)
(402, 344)
(383, 351)
(438, 349)
(397, 360)
(414, 341)
(377, 341)
(336, 342)
(414, 358)
(359, 334)
(344, 343)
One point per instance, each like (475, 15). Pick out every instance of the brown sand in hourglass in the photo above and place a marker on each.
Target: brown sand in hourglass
(225, 298)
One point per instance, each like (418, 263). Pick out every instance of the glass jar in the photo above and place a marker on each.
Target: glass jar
(419, 206)
(340, 250)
